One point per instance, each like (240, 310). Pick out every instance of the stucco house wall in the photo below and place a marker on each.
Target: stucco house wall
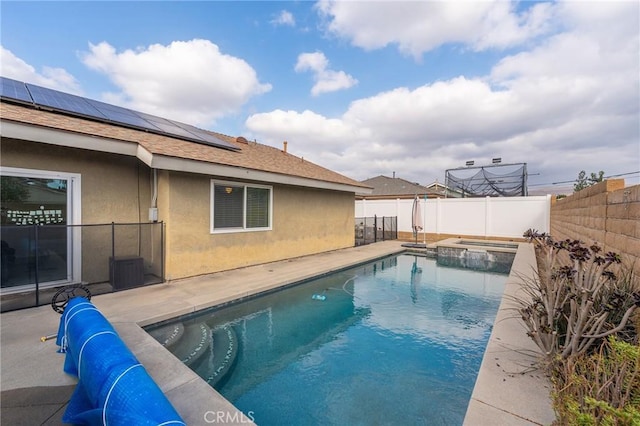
(115, 188)
(305, 221)
(118, 188)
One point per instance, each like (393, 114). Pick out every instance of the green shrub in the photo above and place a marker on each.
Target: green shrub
(602, 388)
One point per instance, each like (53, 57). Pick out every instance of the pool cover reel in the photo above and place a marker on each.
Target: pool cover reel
(113, 387)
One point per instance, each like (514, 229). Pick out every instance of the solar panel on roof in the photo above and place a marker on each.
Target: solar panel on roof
(134, 120)
(121, 115)
(63, 102)
(207, 137)
(187, 130)
(153, 118)
(13, 89)
(170, 128)
(103, 112)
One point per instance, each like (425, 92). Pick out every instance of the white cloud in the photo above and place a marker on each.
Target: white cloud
(418, 27)
(189, 81)
(315, 62)
(570, 101)
(331, 133)
(326, 79)
(53, 78)
(284, 18)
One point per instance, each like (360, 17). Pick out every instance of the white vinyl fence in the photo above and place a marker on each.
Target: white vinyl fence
(507, 217)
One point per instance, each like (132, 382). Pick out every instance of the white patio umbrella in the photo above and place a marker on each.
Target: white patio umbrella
(416, 218)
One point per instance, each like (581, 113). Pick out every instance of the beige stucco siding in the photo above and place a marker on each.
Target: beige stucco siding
(115, 188)
(305, 221)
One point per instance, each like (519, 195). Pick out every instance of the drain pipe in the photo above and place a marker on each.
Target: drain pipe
(153, 210)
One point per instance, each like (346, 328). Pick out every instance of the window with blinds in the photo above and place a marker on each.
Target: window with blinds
(257, 207)
(240, 207)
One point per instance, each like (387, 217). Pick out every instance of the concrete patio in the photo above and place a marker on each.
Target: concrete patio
(35, 390)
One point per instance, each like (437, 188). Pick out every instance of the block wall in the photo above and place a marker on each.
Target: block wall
(606, 213)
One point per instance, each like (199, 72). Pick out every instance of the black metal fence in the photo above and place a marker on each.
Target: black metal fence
(372, 229)
(39, 259)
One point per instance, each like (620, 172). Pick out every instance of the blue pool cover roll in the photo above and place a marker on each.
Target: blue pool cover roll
(113, 387)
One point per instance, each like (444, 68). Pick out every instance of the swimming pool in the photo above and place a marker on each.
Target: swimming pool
(396, 341)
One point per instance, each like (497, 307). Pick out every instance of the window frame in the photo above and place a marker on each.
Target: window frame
(244, 185)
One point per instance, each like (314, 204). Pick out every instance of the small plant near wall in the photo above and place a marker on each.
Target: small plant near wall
(576, 300)
(602, 388)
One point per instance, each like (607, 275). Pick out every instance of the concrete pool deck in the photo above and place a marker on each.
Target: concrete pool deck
(35, 390)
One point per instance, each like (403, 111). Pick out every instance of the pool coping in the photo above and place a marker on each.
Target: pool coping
(28, 363)
(511, 389)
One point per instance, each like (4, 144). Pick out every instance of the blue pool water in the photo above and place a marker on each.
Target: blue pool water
(396, 341)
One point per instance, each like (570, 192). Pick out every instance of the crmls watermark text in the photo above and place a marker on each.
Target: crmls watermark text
(222, 417)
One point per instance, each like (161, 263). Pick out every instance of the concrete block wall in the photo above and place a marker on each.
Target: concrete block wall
(606, 213)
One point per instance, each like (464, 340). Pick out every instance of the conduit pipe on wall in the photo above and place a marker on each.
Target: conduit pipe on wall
(153, 210)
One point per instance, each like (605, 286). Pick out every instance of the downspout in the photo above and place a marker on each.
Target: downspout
(153, 217)
(153, 210)
(154, 196)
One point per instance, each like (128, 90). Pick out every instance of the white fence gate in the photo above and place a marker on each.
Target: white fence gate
(506, 217)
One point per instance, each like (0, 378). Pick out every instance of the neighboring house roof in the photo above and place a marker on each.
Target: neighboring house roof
(253, 161)
(436, 185)
(385, 187)
(442, 190)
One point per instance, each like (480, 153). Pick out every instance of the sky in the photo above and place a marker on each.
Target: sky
(364, 88)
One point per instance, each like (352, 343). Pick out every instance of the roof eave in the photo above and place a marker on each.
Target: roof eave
(213, 169)
(16, 130)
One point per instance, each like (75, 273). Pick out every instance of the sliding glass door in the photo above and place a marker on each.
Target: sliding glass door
(37, 245)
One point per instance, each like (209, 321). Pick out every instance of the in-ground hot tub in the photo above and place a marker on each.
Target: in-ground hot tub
(490, 255)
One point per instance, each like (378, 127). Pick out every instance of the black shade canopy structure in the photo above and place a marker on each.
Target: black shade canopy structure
(494, 180)
(66, 103)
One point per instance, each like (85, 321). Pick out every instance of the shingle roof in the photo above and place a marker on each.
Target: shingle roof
(252, 155)
(386, 186)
